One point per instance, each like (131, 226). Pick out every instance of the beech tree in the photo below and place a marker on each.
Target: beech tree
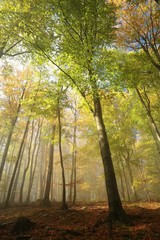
(73, 185)
(14, 98)
(144, 78)
(139, 28)
(87, 30)
(46, 199)
(16, 164)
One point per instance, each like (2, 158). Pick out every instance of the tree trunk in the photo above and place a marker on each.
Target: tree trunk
(116, 210)
(27, 166)
(64, 204)
(7, 177)
(32, 171)
(125, 179)
(149, 114)
(13, 123)
(16, 164)
(15, 186)
(73, 179)
(121, 180)
(128, 165)
(38, 135)
(2, 142)
(141, 168)
(31, 155)
(75, 169)
(46, 201)
(43, 170)
(30, 161)
(71, 183)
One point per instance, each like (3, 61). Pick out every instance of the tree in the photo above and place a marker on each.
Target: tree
(59, 98)
(86, 32)
(15, 102)
(137, 74)
(144, 78)
(33, 151)
(122, 135)
(46, 201)
(74, 154)
(16, 164)
(139, 28)
(12, 22)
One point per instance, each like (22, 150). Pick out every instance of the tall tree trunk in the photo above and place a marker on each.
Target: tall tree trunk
(120, 171)
(16, 164)
(22, 184)
(27, 166)
(8, 174)
(122, 185)
(125, 179)
(38, 135)
(15, 186)
(2, 141)
(73, 178)
(75, 159)
(31, 155)
(147, 195)
(64, 204)
(71, 183)
(157, 153)
(128, 165)
(4, 190)
(30, 161)
(43, 170)
(116, 210)
(13, 124)
(32, 170)
(46, 201)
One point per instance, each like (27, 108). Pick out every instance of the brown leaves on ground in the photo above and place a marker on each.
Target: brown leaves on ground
(82, 223)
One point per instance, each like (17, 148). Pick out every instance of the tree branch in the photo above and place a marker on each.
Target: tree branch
(68, 75)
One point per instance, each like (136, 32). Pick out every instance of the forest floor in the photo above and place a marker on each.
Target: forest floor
(82, 222)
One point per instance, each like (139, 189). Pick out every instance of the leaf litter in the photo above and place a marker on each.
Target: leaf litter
(81, 222)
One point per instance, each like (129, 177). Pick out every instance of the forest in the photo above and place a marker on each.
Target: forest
(79, 123)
